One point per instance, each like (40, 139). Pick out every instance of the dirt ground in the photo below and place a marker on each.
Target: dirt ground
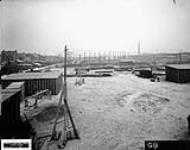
(119, 112)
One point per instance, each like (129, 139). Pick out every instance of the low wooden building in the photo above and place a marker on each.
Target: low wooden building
(11, 123)
(127, 65)
(10, 106)
(36, 81)
(103, 72)
(17, 85)
(179, 73)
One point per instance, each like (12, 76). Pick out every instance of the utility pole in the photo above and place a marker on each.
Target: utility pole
(80, 57)
(65, 93)
(99, 57)
(31, 58)
(109, 58)
(113, 57)
(67, 114)
(94, 56)
(180, 56)
(124, 54)
(89, 58)
(105, 56)
(66, 108)
(154, 59)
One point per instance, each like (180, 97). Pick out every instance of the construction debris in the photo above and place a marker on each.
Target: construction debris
(37, 96)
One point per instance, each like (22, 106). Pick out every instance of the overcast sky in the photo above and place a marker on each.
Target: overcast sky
(44, 26)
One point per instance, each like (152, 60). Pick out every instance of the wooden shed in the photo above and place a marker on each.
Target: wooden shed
(10, 106)
(11, 124)
(144, 73)
(179, 73)
(18, 85)
(126, 64)
(36, 81)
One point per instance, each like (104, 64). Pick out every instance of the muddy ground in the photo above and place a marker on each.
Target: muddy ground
(118, 112)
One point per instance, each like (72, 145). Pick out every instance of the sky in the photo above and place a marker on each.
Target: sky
(45, 26)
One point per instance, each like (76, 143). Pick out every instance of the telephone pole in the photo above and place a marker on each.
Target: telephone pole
(180, 56)
(67, 114)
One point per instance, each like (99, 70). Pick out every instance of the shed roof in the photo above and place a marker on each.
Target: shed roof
(7, 93)
(15, 85)
(126, 61)
(179, 66)
(32, 75)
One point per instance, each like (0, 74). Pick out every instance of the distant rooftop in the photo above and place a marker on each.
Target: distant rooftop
(179, 66)
(32, 75)
(125, 61)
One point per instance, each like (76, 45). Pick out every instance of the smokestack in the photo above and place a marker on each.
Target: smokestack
(139, 48)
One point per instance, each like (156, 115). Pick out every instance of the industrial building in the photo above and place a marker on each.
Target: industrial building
(126, 64)
(9, 56)
(179, 73)
(35, 81)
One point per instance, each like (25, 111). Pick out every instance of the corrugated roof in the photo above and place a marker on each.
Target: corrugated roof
(179, 66)
(32, 75)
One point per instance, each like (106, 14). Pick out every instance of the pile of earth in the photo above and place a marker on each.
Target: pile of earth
(149, 103)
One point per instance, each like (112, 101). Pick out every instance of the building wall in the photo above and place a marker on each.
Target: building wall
(20, 86)
(177, 75)
(184, 76)
(59, 84)
(171, 74)
(10, 68)
(10, 120)
(11, 108)
(36, 85)
(145, 73)
(8, 56)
